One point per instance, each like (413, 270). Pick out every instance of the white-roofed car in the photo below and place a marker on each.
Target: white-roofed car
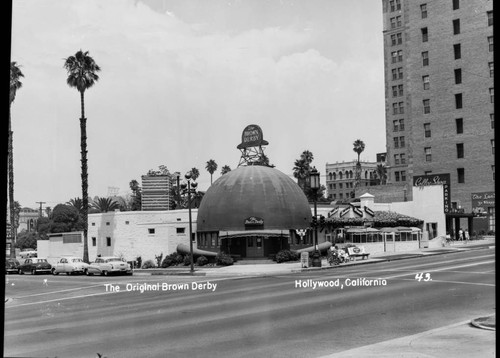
(108, 265)
(69, 265)
(27, 253)
(35, 265)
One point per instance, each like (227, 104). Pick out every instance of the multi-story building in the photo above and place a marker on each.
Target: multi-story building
(341, 178)
(439, 94)
(156, 192)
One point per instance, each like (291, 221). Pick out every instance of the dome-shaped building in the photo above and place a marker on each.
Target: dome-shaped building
(252, 211)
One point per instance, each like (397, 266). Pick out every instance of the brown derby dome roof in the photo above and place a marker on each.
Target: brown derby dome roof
(253, 191)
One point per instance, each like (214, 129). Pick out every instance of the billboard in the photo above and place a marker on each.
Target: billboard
(252, 137)
(482, 201)
(421, 181)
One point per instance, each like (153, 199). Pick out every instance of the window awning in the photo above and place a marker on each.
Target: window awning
(245, 233)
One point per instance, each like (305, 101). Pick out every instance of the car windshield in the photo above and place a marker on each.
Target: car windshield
(39, 260)
(113, 259)
(77, 260)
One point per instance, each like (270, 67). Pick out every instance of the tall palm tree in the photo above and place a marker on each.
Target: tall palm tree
(302, 167)
(358, 147)
(211, 168)
(15, 84)
(381, 173)
(225, 169)
(195, 173)
(103, 205)
(77, 203)
(82, 74)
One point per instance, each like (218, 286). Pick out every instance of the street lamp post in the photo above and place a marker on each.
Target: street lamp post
(315, 185)
(190, 187)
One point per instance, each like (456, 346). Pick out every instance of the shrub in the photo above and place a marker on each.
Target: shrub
(187, 260)
(286, 255)
(491, 232)
(138, 261)
(201, 261)
(148, 264)
(223, 259)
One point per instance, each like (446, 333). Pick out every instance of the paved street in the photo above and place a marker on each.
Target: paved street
(285, 315)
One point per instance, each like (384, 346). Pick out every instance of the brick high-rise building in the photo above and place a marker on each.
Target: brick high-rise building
(439, 96)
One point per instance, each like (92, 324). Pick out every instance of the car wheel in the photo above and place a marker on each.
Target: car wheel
(87, 273)
(20, 271)
(54, 272)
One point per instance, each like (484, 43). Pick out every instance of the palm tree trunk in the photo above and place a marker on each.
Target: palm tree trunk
(11, 192)
(85, 185)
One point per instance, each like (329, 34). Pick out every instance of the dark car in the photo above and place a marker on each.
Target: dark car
(35, 265)
(11, 265)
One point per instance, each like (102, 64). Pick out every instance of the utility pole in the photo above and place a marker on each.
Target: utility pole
(41, 203)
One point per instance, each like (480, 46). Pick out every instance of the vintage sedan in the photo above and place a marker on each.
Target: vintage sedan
(108, 265)
(69, 265)
(27, 253)
(35, 265)
(11, 265)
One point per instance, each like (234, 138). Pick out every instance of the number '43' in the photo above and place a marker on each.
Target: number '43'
(423, 276)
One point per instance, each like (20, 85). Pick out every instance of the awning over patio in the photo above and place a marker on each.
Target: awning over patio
(245, 233)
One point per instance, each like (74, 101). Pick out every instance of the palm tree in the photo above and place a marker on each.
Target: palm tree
(77, 203)
(381, 173)
(225, 169)
(211, 168)
(103, 205)
(358, 147)
(82, 74)
(302, 167)
(195, 173)
(15, 84)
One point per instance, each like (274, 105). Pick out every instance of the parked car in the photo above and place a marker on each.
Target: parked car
(35, 265)
(11, 265)
(27, 253)
(108, 265)
(69, 265)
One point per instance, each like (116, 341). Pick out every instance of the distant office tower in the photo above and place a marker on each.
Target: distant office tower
(156, 192)
(440, 97)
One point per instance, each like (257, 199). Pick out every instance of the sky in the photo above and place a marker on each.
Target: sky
(181, 79)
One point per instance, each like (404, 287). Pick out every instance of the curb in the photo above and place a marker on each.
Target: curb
(488, 323)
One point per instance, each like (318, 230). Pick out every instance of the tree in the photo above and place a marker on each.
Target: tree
(162, 170)
(136, 195)
(15, 84)
(211, 167)
(302, 168)
(381, 173)
(77, 203)
(195, 173)
(358, 147)
(82, 75)
(103, 205)
(225, 169)
(66, 218)
(27, 240)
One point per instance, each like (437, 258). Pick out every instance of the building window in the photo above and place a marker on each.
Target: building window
(493, 171)
(458, 101)
(94, 241)
(490, 18)
(394, 57)
(425, 58)
(402, 142)
(456, 26)
(460, 150)
(394, 91)
(403, 158)
(457, 51)
(492, 120)
(107, 223)
(401, 124)
(427, 130)
(425, 34)
(492, 95)
(400, 73)
(490, 43)
(403, 175)
(93, 224)
(426, 81)
(492, 146)
(427, 106)
(461, 175)
(401, 107)
(423, 10)
(394, 108)
(396, 142)
(151, 231)
(456, 4)
(127, 222)
(396, 159)
(400, 55)
(108, 241)
(458, 76)
(395, 5)
(180, 230)
(396, 176)
(460, 125)
(400, 90)
(428, 154)
(395, 125)
(394, 74)
(490, 65)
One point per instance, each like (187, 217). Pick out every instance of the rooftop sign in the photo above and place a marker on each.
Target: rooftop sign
(252, 137)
